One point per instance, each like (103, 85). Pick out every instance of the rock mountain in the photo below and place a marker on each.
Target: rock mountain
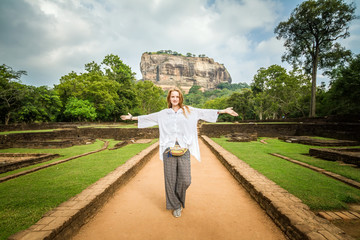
(167, 71)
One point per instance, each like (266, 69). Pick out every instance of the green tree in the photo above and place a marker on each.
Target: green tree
(195, 97)
(109, 86)
(219, 103)
(343, 96)
(11, 92)
(263, 106)
(280, 93)
(116, 70)
(242, 102)
(80, 110)
(310, 34)
(93, 87)
(149, 97)
(39, 104)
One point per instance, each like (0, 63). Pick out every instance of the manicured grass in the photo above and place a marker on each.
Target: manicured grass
(64, 153)
(316, 190)
(27, 131)
(332, 166)
(25, 199)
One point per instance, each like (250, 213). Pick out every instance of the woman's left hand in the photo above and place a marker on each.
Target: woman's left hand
(126, 117)
(230, 111)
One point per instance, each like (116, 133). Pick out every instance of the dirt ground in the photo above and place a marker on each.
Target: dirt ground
(217, 207)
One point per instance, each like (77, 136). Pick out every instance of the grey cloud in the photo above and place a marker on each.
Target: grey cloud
(51, 41)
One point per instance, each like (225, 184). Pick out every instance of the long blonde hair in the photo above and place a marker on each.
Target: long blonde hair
(181, 100)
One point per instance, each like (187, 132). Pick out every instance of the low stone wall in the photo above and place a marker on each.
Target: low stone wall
(39, 136)
(344, 131)
(119, 133)
(262, 130)
(292, 216)
(49, 125)
(15, 139)
(51, 144)
(319, 142)
(347, 155)
(27, 159)
(340, 131)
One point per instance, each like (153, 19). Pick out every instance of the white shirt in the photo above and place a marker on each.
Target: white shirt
(174, 126)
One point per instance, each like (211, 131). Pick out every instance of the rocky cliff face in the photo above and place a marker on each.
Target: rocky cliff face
(167, 71)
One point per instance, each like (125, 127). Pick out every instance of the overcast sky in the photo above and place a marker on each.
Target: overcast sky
(49, 39)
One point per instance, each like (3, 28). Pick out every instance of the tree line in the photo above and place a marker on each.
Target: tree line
(102, 93)
(105, 91)
(276, 93)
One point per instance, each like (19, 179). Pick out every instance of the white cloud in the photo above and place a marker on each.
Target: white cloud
(50, 38)
(270, 47)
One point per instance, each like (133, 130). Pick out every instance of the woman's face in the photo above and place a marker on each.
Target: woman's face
(174, 98)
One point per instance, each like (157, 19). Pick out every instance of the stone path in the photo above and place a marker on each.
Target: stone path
(217, 207)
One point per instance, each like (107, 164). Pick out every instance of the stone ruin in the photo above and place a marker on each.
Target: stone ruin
(345, 155)
(54, 143)
(318, 142)
(241, 137)
(12, 161)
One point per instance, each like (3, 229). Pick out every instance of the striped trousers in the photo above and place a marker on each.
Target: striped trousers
(177, 174)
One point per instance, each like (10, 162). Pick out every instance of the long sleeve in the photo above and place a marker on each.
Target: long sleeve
(209, 115)
(150, 120)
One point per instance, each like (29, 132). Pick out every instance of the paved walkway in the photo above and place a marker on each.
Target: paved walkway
(217, 207)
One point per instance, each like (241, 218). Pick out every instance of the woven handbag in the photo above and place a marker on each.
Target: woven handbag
(177, 151)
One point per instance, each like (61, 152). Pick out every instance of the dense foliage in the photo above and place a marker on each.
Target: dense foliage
(107, 90)
(103, 92)
(311, 33)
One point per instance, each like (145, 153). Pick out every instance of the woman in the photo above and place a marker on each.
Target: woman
(177, 126)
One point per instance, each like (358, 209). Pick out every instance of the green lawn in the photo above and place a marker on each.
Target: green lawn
(64, 153)
(25, 199)
(316, 190)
